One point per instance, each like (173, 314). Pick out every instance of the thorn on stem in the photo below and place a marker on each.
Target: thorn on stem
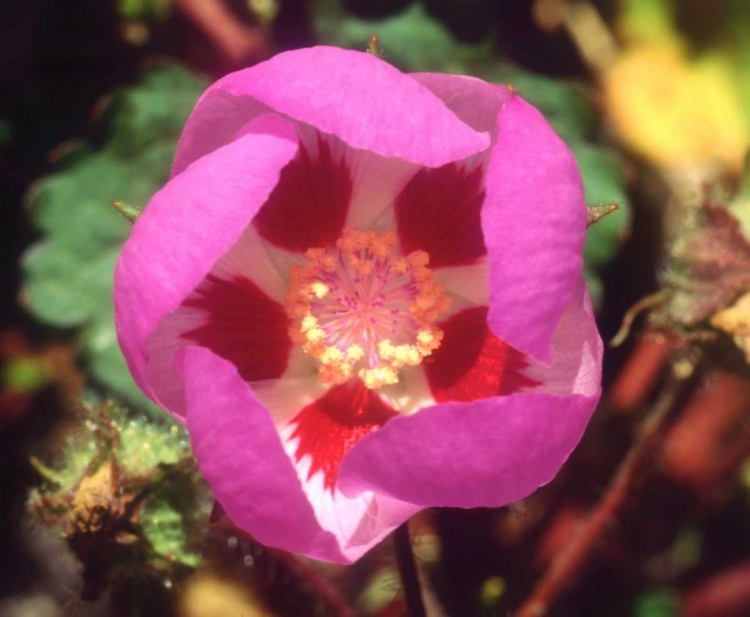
(598, 212)
(131, 213)
(373, 46)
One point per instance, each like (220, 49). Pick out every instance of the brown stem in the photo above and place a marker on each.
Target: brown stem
(726, 594)
(572, 560)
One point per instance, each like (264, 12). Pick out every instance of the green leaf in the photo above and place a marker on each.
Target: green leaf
(145, 10)
(154, 111)
(101, 353)
(166, 529)
(411, 40)
(565, 104)
(68, 274)
(64, 288)
(657, 602)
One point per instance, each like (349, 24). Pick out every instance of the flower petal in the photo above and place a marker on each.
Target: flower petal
(474, 101)
(468, 282)
(534, 223)
(488, 452)
(578, 350)
(439, 212)
(240, 454)
(472, 363)
(534, 212)
(364, 101)
(309, 206)
(243, 326)
(328, 428)
(203, 211)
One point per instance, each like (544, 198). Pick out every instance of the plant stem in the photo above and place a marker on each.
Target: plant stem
(407, 569)
(725, 593)
(572, 560)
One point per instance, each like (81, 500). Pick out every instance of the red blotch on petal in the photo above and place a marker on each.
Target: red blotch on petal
(244, 326)
(472, 363)
(328, 428)
(309, 205)
(439, 212)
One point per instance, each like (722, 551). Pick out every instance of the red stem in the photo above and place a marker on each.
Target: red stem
(726, 594)
(572, 560)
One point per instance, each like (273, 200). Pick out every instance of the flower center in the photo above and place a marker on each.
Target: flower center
(363, 310)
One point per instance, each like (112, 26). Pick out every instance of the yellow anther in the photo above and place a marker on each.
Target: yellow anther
(425, 337)
(355, 353)
(386, 350)
(346, 309)
(328, 263)
(365, 267)
(400, 266)
(319, 290)
(333, 374)
(316, 335)
(418, 258)
(377, 377)
(332, 355)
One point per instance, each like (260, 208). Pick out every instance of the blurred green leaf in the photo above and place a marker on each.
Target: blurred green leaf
(145, 10)
(154, 111)
(5, 131)
(657, 602)
(23, 375)
(564, 103)
(68, 274)
(411, 40)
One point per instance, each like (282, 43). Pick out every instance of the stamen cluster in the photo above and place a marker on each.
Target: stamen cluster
(363, 310)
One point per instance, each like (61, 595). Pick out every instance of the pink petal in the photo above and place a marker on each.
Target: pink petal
(472, 363)
(534, 223)
(439, 212)
(244, 322)
(534, 213)
(217, 120)
(488, 452)
(578, 350)
(328, 428)
(475, 102)
(357, 97)
(308, 207)
(203, 211)
(240, 454)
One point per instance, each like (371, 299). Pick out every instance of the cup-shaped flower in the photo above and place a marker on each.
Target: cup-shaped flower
(361, 292)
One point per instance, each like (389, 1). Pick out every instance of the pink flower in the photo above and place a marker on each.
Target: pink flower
(361, 292)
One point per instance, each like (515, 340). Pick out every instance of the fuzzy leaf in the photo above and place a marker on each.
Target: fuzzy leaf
(709, 266)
